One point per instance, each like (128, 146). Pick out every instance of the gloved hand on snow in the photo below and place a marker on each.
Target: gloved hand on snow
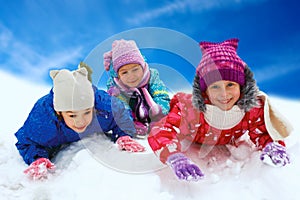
(275, 154)
(184, 168)
(39, 168)
(128, 144)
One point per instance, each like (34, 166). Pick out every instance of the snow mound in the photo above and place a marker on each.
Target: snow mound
(95, 169)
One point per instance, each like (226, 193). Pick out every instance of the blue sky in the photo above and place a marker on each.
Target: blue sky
(36, 36)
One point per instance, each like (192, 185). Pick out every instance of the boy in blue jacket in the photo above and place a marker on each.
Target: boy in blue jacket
(73, 109)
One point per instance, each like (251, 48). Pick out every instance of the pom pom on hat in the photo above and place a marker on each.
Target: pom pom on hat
(107, 57)
(220, 62)
(123, 52)
(72, 91)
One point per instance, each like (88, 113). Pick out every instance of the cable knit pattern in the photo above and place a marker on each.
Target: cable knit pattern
(123, 52)
(220, 62)
(223, 119)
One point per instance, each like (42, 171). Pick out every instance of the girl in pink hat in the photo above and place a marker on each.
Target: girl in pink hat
(137, 85)
(225, 105)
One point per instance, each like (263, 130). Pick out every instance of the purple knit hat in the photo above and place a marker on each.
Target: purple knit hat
(123, 52)
(220, 62)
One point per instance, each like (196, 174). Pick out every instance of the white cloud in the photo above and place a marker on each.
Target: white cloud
(155, 13)
(24, 59)
(5, 37)
(183, 6)
(272, 72)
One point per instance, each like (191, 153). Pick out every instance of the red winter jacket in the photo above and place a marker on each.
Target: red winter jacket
(184, 124)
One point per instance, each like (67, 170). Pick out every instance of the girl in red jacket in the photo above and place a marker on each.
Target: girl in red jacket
(225, 105)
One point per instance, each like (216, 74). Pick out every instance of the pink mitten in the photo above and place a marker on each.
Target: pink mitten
(128, 144)
(39, 168)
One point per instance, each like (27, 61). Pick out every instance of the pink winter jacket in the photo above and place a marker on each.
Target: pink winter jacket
(184, 124)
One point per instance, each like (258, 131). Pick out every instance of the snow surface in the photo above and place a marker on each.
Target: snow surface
(95, 169)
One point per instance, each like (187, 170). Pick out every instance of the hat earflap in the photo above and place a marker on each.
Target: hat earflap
(249, 91)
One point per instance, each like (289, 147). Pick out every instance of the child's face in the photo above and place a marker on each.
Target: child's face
(131, 74)
(223, 94)
(78, 120)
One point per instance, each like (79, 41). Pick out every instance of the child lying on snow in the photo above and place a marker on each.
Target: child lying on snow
(137, 85)
(73, 109)
(225, 105)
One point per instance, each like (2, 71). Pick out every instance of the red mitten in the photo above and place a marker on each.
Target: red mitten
(128, 144)
(39, 168)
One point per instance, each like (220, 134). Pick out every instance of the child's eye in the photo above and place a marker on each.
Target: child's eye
(87, 112)
(135, 69)
(230, 84)
(214, 87)
(123, 73)
(72, 116)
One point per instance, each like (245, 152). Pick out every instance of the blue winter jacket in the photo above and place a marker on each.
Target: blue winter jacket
(44, 133)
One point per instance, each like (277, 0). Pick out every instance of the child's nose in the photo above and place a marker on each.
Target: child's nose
(80, 121)
(223, 92)
(131, 76)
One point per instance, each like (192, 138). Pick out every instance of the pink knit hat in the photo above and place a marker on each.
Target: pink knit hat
(123, 52)
(220, 62)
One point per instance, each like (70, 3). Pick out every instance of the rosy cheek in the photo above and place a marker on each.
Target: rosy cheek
(72, 122)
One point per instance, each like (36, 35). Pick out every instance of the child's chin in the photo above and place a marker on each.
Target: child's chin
(79, 130)
(132, 85)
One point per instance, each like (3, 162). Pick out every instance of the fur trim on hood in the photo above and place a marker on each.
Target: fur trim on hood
(249, 93)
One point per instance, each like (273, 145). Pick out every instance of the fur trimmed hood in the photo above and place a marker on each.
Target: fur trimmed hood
(249, 93)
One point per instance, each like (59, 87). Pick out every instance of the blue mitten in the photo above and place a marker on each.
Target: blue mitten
(275, 155)
(184, 168)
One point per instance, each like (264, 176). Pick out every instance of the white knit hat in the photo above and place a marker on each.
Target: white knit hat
(72, 90)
